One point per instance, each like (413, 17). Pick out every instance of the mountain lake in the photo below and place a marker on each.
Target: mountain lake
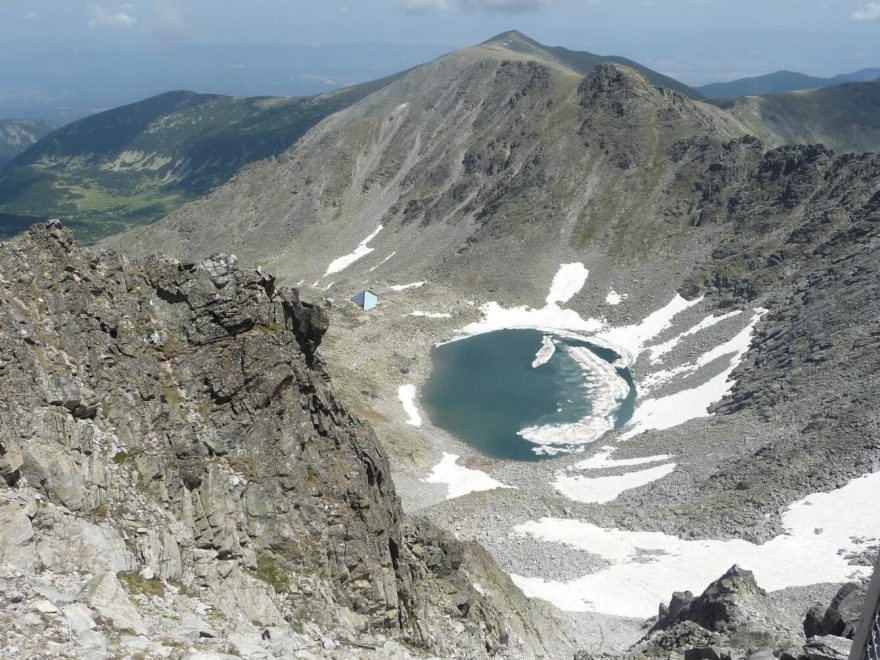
(485, 390)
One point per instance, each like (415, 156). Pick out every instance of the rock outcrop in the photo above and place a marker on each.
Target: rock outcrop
(178, 473)
(733, 612)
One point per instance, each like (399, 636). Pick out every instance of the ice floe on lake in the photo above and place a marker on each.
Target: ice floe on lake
(548, 348)
(646, 567)
(629, 342)
(459, 479)
(605, 389)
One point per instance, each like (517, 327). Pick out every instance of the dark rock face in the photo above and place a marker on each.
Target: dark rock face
(733, 612)
(841, 617)
(189, 399)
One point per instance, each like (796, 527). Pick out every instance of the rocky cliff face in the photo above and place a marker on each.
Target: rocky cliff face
(178, 472)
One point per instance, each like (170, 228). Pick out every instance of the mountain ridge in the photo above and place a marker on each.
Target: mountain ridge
(844, 117)
(146, 165)
(781, 81)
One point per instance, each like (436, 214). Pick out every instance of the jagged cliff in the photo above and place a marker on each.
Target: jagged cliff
(178, 473)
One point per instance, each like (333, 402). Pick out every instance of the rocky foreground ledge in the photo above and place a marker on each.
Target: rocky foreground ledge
(179, 478)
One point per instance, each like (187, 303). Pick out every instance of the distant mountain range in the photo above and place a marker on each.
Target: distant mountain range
(16, 135)
(781, 81)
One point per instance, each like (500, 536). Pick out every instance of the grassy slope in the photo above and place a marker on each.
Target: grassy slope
(134, 164)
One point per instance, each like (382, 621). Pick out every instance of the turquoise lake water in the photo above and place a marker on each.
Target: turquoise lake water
(483, 390)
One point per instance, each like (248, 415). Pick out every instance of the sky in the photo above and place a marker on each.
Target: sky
(696, 41)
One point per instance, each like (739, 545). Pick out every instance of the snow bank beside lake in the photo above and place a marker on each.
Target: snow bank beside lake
(674, 409)
(568, 281)
(459, 479)
(407, 395)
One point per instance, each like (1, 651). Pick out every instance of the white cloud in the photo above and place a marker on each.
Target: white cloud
(509, 6)
(119, 17)
(871, 12)
(422, 6)
(169, 22)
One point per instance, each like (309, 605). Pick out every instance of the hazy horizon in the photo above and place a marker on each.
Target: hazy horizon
(55, 59)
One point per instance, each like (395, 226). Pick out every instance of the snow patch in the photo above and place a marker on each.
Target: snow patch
(674, 409)
(602, 459)
(432, 315)
(382, 262)
(548, 348)
(658, 350)
(362, 250)
(407, 396)
(632, 338)
(404, 287)
(817, 528)
(604, 489)
(459, 479)
(614, 298)
(568, 281)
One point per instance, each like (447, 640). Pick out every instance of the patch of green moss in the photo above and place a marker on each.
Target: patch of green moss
(270, 571)
(138, 584)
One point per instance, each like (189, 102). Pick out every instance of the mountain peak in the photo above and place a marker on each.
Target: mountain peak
(516, 41)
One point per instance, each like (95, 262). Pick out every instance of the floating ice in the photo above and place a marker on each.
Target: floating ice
(605, 389)
(548, 348)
